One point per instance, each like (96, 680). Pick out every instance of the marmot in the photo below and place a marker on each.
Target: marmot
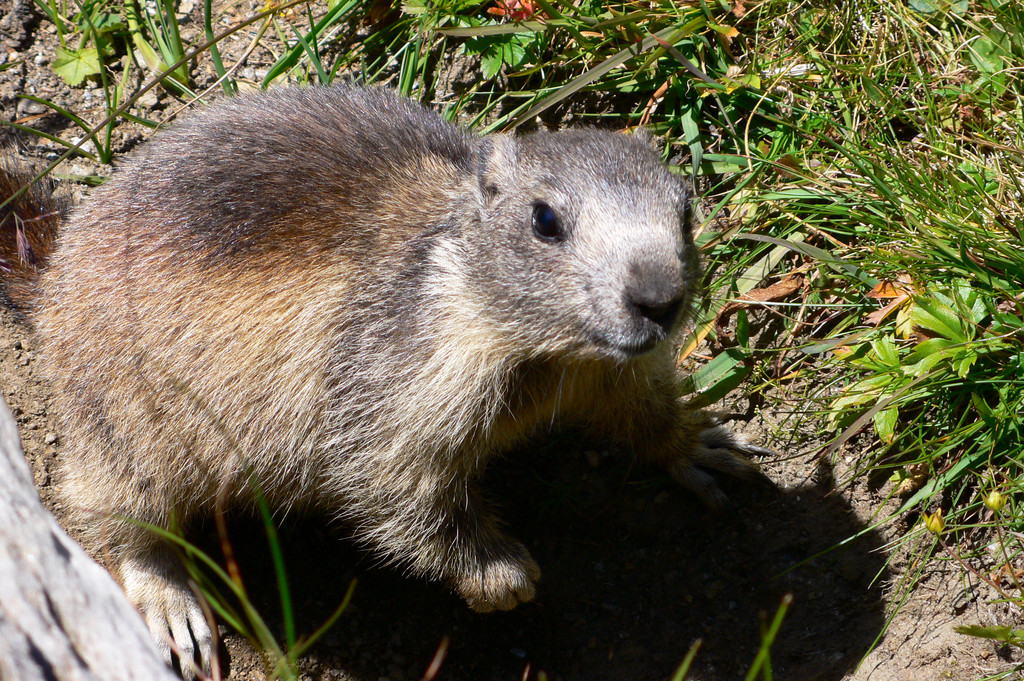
(337, 297)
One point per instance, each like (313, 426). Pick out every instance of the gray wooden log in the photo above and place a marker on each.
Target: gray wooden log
(62, 617)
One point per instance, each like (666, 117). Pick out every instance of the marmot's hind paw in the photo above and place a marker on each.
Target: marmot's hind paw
(172, 612)
(718, 449)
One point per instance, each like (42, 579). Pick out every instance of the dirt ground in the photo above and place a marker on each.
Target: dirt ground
(635, 570)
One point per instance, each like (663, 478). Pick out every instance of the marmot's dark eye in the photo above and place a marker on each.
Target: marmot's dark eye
(545, 223)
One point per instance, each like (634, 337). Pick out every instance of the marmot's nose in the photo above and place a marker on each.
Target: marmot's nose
(658, 303)
(655, 292)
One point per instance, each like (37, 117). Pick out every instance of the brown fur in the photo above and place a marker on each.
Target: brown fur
(36, 214)
(338, 298)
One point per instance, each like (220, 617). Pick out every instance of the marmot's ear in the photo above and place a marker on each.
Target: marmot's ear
(497, 162)
(647, 138)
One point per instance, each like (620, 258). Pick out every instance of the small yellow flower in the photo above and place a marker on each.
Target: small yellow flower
(934, 522)
(994, 501)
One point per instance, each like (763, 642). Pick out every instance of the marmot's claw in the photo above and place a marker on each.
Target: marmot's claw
(172, 613)
(718, 449)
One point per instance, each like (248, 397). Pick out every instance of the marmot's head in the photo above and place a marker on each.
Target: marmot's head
(582, 246)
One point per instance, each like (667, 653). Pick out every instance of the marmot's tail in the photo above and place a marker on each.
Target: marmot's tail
(28, 230)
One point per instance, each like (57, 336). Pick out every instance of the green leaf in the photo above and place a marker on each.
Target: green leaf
(491, 62)
(938, 317)
(928, 348)
(742, 329)
(175, 79)
(726, 163)
(856, 399)
(924, 6)
(514, 49)
(958, 7)
(415, 7)
(74, 66)
(982, 406)
(719, 368)
(747, 80)
(987, 55)
(1004, 323)
(963, 364)
(885, 350)
(928, 354)
(715, 379)
(498, 51)
(1004, 634)
(689, 118)
(885, 424)
(105, 22)
(877, 95)
(876, 383)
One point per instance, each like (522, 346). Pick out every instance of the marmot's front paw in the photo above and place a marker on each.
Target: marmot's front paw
(720, 450)
(501, 583)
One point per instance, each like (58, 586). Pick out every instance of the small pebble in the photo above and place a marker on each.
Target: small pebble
(149, 100)
(27, 107)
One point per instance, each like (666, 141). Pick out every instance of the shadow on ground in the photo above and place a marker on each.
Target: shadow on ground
(634, 571)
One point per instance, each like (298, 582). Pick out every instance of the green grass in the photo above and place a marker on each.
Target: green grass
(224, 592)
(866, 158)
